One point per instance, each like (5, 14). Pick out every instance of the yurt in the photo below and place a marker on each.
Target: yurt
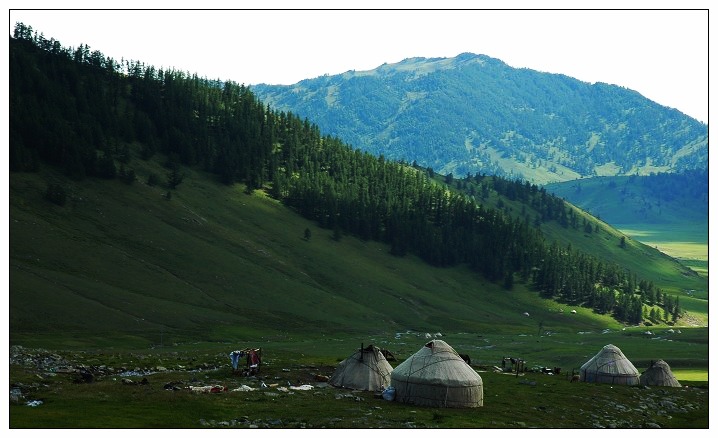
(366, 369)
(437, 376)
(609, 366)
(659, 374)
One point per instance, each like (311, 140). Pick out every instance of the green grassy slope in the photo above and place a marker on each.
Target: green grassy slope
(678, 201)
(645, 261)
(123, 264)
(666, 212)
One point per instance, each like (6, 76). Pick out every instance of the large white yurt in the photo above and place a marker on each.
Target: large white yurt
(609, 366)
(437, 376)
(659, 374)
(366, 369)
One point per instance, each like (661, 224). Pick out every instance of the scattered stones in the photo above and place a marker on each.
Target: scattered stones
(16, 395)
(340, 396)
(648, 407)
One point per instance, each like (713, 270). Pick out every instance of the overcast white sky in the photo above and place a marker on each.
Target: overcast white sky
(662, 54)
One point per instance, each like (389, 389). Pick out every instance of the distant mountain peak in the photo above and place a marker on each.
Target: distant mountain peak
(475, 114)
(419, 66)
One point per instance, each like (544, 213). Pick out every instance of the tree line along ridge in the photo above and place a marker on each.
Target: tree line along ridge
(81, 112)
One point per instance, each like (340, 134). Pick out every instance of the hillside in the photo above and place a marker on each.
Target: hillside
(146, 204)
(473, 113)
(595, 235)
(124, 264)
(665, 211)
(669, 200)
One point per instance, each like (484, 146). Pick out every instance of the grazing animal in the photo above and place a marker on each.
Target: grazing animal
(574, 378)
(466, 358)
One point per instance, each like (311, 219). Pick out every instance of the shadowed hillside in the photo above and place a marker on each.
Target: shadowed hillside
(146, 205)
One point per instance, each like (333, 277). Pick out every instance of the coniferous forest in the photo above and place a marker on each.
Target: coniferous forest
(474, 113)
(82, 112)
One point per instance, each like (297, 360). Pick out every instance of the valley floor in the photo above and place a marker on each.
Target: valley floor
(150, 390)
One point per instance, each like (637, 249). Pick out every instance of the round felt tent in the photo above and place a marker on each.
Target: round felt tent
(609, 366)
(437, 376)
(366, 369)
(659, 374)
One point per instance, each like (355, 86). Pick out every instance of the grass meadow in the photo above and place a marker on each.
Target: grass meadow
(511, 401)
(127, 277)
(688, 244)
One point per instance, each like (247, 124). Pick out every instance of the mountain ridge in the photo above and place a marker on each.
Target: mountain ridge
(493, 118)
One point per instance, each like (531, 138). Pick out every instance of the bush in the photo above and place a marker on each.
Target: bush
(174, 178)
(127, 176)
(152, 179)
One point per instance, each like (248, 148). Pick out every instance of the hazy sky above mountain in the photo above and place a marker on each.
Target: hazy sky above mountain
(662, 54)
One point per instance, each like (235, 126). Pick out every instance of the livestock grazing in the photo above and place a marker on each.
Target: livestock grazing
(574, 378)
(466, 358)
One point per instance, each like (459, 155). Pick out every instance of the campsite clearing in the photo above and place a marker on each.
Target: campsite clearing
(47, 396)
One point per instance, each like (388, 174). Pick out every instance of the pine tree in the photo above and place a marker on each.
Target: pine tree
(676, 310)
(174, 176)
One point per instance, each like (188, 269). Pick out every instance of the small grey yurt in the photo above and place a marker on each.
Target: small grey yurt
(366, 369)
(609, 366)
(437, 376)
(659, 374)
